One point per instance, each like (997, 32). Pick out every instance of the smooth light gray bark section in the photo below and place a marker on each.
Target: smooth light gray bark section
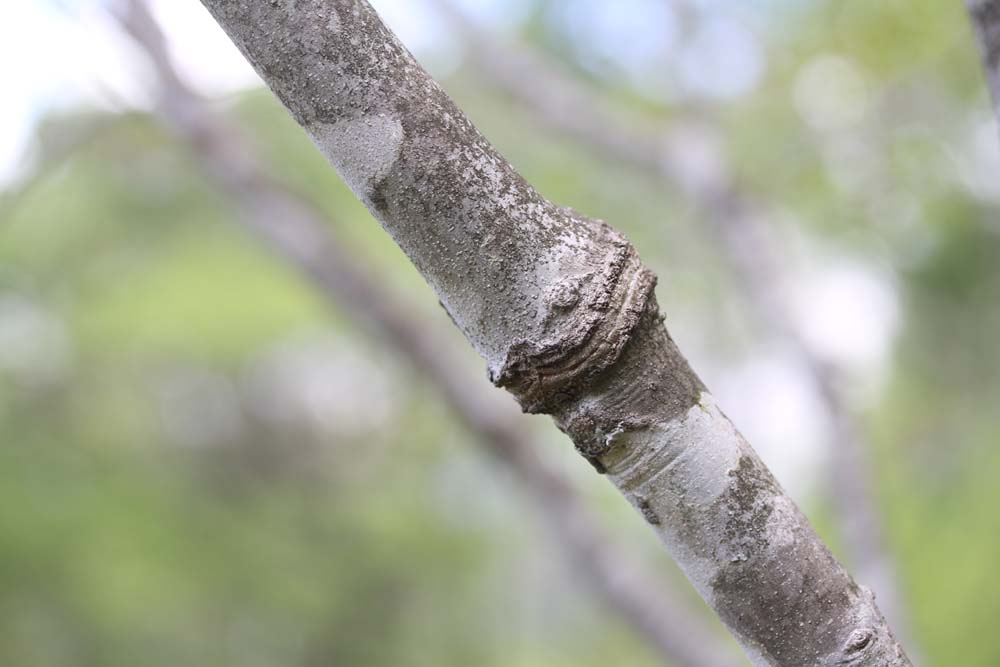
(562, 310)
(986, 20)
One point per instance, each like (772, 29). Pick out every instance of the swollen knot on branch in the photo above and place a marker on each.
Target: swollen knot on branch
(595, 316)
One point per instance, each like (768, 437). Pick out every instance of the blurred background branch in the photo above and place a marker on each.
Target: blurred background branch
(986, 21)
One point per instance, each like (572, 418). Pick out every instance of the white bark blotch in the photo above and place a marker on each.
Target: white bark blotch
(674, 470)
(363, 150)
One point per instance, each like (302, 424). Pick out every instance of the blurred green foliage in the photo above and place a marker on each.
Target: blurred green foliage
(164, 500)
(157, 508)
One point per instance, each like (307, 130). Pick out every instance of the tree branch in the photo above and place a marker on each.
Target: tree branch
(986, 21)
(295, 229)
(692, 158)
(562, 310)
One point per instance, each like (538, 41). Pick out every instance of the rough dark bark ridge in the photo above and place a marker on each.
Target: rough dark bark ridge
(563, 313)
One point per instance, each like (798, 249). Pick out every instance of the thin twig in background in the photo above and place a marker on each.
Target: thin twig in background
(293, 228)
(690, 155)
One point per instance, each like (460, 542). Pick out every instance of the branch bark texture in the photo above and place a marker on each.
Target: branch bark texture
(562, 310)
(691, 157)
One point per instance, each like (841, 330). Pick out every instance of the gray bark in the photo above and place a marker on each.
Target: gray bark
(562, 310)
(295, 229)
(691, 158)
(986, 20)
